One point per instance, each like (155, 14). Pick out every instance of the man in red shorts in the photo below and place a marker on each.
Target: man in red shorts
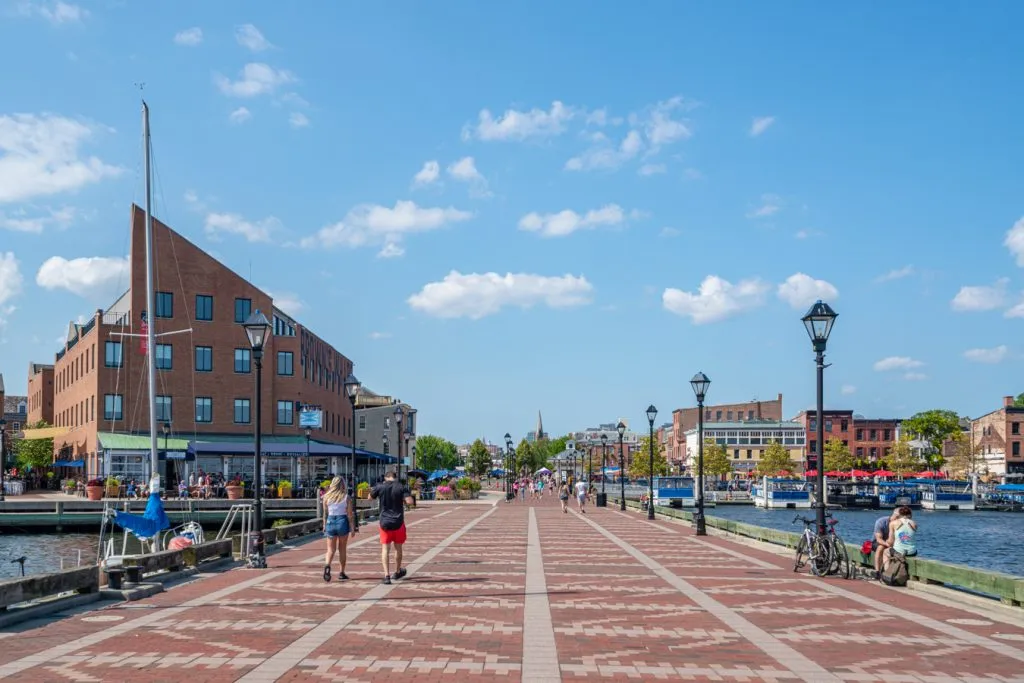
(392, 496)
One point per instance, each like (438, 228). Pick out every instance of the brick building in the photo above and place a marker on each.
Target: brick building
(999, 435)
(868, 439)
(14, 411)
(40, 393)
(685, 419)
(745, 442)
(205, 375)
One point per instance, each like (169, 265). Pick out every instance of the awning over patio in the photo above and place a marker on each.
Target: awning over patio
(45, 433)
(69, 463)
(269, 446)
(139, 442)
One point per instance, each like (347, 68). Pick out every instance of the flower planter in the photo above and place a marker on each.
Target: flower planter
(284, 492)
(234, 492)
(94, 492)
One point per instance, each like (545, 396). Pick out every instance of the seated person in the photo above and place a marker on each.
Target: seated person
(880, 542)
(902, 530)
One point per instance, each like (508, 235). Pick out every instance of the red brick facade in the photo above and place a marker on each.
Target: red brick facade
(40, 393)
(868, 439)
(685, 419)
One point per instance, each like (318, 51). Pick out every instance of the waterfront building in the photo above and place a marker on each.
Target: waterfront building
(745, 442)
(685, 419)
(13, 409)
(378, 430)
(40, 393)
(590, 438)
(204, 382)
(869, 439)
(998, 436)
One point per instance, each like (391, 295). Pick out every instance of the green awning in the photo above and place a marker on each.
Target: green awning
(139, 442)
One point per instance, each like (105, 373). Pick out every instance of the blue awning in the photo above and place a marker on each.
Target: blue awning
(69, 463)
(316, 448)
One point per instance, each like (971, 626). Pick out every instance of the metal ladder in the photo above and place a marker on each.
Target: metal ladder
(245, 514)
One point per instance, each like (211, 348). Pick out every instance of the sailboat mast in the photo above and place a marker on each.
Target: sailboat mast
(154, 457)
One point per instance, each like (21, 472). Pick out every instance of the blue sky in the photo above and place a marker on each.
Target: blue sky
(572, 207)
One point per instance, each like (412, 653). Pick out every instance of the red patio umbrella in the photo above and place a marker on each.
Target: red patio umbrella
(884, 473)
(836, 473)
(860, 473)
(927, 474)
(811, 473)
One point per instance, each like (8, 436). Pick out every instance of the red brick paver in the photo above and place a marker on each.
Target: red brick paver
(621, 599)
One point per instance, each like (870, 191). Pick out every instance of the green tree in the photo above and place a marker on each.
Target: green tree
(775, 459)
(964, 458)
(902, 459)
(639, 466)
(479, 461)
(435, 453)
(935, 427)
(837, 456)
(716, 460)
(34, 453)
(554, 446)
(1019, 401)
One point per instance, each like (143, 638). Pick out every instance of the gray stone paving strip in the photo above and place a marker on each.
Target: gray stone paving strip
(927, 622)
(291, 655)
(161, 614)
(668, 526)
(374, 538)
(786, 656)
(540, 653)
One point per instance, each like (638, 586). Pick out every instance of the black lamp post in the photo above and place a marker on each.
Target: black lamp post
(399, 415)
(621, 429)
(309, 476)
(590, 466)
(652, 414)
(3, 452)
(508, 466)
(818, 321)
(257, 327)
(602, 498)
(351, 386)
(700, 384)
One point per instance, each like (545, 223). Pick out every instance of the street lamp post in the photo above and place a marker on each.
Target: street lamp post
(700, 384)
(590, 466)
(818, 321)
(3, 452)
(602, 498)
(351, 386)
(257, 327)
(398, 429)
(508, 467)
(652, 413)
(621, 429)
(309, 433)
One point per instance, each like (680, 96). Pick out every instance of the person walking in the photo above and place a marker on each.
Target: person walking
(393, 496)
(339, 526)
(581, 495)
(563, 496)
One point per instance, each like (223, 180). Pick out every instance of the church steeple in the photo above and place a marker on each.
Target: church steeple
(540, 427)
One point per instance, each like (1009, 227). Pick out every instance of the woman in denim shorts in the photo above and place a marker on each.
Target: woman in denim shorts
(339, 525)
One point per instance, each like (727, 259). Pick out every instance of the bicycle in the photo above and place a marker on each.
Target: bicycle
(840, 564)
(814, 548)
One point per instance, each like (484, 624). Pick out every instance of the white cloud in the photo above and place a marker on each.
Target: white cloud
(770, 205)
(380, 335)
(520, 125)
(240, 115)
(430, 172)
(255, 79)
(219, 224)
(57, 13)
(717, 299)
(981, 297)
(760, 125)
(605, 156)
(993, 355)
(896, 363)
(391, 249)
(476, 295)
(465, 170)
(39, 156)
(87, 277)
(800, 290)
(298, 120)
(915, 376)
(249, 36)
(659, 126)
(288, 302)
(896, 274)
(10, 278)
(652, 169)
(848, 389)
(372, 224)
(567, 222)
(1016, 311)
(1015, 241)
(20, 220)
(189, 37)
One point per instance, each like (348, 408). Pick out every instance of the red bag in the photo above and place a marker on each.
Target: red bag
(865, 548)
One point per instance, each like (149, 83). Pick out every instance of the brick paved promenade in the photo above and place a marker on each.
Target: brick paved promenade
(524, 592)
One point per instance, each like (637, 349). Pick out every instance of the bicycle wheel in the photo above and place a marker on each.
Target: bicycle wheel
(841, 557)
(801, 554)
(821, 556)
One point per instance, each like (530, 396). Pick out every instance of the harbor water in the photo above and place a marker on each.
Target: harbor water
(983, 540)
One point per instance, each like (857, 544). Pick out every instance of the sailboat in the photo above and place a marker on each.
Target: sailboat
(152, 528)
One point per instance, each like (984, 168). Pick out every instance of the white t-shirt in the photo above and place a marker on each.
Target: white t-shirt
(581, 488)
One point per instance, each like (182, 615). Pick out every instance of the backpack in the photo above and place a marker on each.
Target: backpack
(895, 571)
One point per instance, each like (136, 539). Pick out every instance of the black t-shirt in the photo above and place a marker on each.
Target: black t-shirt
(392, 495)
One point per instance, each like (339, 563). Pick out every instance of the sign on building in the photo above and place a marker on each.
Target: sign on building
(310, 417)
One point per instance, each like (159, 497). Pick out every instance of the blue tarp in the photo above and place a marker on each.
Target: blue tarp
(149, 523)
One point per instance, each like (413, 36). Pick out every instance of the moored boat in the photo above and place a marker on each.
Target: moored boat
(774, 493)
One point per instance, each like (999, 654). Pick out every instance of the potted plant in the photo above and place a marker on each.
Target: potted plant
(284, 489)
(113, 487)
(444, 492)
(94, 489)
(363, 490)
(234, 489)
(69, 486)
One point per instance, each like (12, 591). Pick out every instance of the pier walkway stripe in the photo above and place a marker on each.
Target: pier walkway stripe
(540, 654)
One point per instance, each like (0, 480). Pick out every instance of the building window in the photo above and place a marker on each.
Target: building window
(204, 359)
(860, 451)
(813, 446)
(860, 435)
(241, 411)
(750, 415)
(163, 357)
(204, 409)
(243, 307)
(112, 357)
(385, 448)
(285, 363)
(163, 408)
(874, 453)
(718, 416)
(164, 305)
(888, 435)
(1015, 428)
(113, 407)
(362, 422)
(728, 417)
(1016, 447)
(873, 435)
(844, 425)
(243, 360)
(814, 425)
(707, 414)
(285, 412)
(828, 425)
(204, 307)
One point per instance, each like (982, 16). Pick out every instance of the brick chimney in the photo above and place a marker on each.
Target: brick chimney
(1007, 401)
